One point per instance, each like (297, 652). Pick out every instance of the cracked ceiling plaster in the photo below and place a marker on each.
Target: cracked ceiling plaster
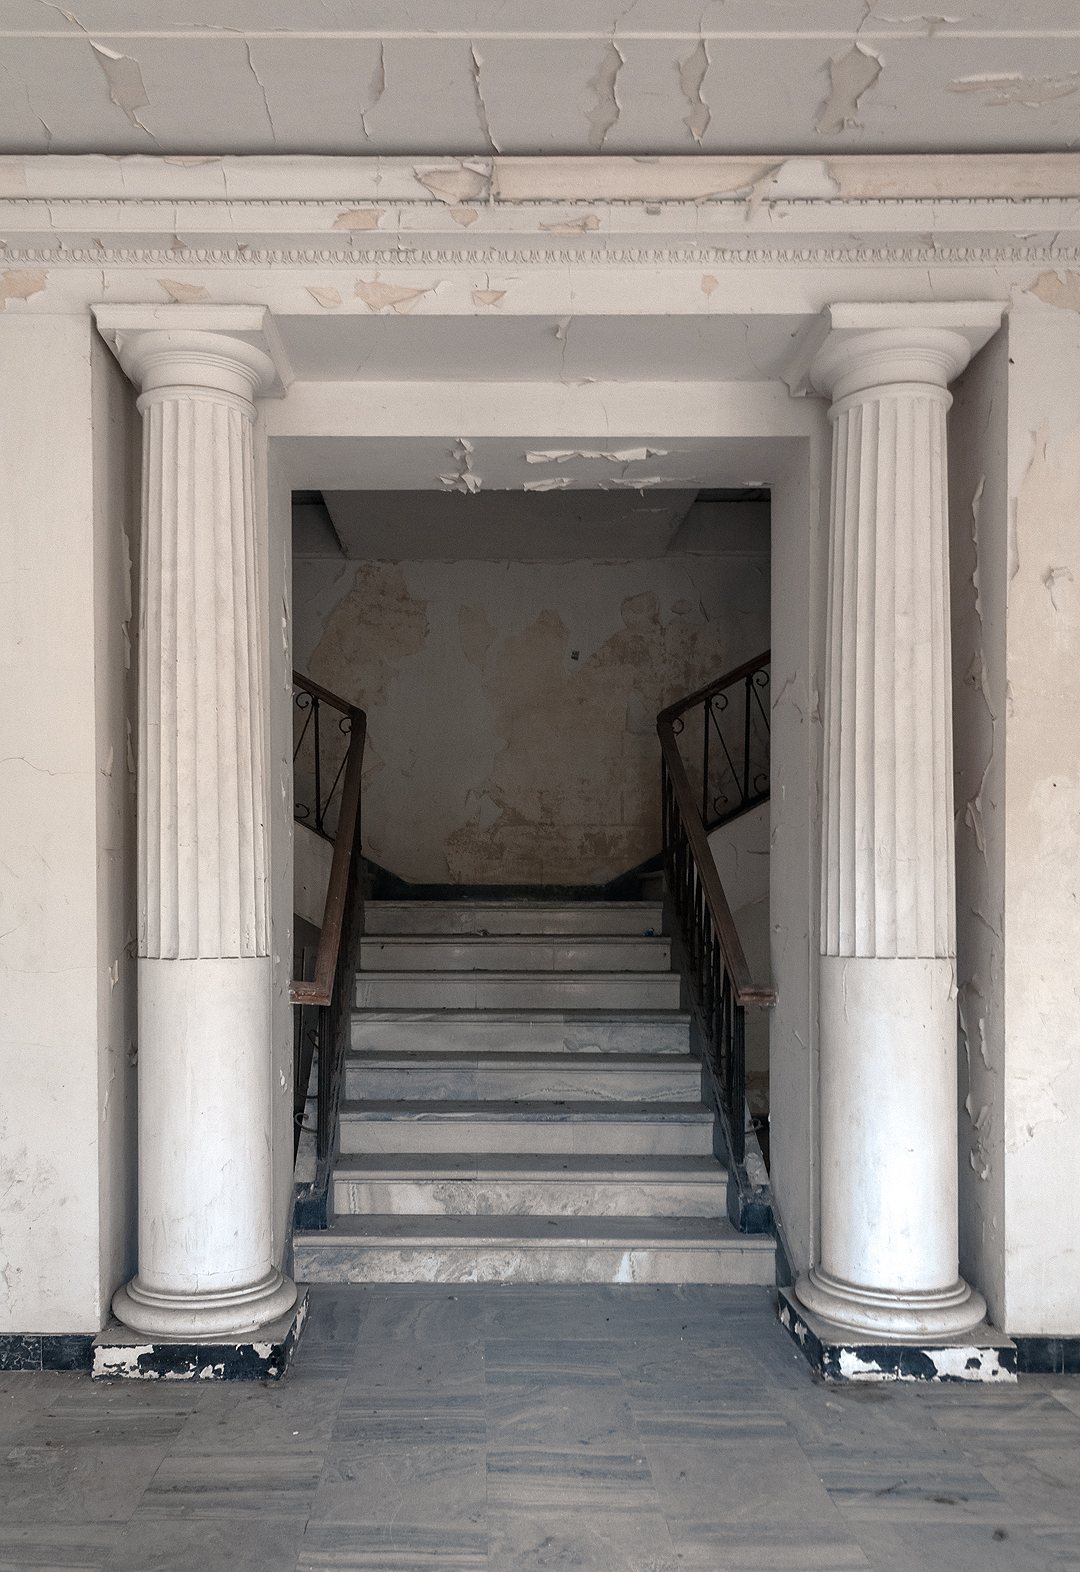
(569, 77)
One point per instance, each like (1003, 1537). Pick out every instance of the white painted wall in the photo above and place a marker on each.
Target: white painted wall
(67, 428)
(1042, 813)
(978, 514)
(512, 705)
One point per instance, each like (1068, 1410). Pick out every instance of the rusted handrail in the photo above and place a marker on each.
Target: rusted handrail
(746, 991)
(330, 991)
(318, 989)
(712, 957)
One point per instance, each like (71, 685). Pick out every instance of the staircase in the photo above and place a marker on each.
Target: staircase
(521, 1105)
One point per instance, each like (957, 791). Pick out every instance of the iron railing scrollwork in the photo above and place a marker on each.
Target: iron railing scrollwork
(324, 1000)
(720, 984)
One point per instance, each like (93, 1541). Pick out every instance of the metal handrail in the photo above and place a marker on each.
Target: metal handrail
(330, 989)
(721, 986)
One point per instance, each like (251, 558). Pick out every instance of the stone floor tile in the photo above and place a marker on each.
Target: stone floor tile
(274, 1417)
(389, 1421)
(265, 1543)
(237, 1484)
(530, 1410)
(412, 1366)
(391, 1547)
(762, 1546)
(58, 1547)
(423, 1486)
(546, 1480)
(876, 1486)
(956, 1547)
(1041, 1485)
(58, 1483)
(704, 1487)
(1010, 1423)
(601, 1541)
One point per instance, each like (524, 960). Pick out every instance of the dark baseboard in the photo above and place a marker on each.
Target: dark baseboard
(46, 1351)
(1047, 1355)
(262, 1355)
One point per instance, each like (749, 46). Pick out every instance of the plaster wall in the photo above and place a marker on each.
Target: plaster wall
(512, 705)
(275, 565)
(1042, 811)
(978, 513)
(66, 838)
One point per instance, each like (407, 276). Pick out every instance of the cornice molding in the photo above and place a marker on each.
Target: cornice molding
(671, 256)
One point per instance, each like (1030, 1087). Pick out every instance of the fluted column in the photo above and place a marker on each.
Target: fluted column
(204, 970)
(887, 1257)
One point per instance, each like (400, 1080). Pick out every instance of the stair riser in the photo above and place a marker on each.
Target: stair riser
(584, 1263)
(638, 1138)
(528, 1198)
(680, 1084)
(439, 1034)
(515, 955)
(468, 992)
(421, 917)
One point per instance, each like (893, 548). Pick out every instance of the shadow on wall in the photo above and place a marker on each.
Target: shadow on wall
(512, 705)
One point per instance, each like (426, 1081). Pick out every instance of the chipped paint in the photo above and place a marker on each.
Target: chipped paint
(488, 297)
(850, 77)
(464, 216)
(184, 294)
(399, 298)
(1058, 289)
(692, 73)
(462, 182)
(127, 90)
(604, 114)
(609, 456)
(1000, 89)
(358, 218)
(325, 295)
(586, 225)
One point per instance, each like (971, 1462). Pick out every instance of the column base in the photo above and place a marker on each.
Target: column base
(838, 1354)
(121, 1354)
(199, 1317)
(906, 1317)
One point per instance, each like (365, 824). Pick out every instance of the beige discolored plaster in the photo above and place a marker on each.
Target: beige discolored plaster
(21, 284)
(359, 218)
(377, 626)
(182, 293)
(325, 295)
(1058, 289)
(378, 295)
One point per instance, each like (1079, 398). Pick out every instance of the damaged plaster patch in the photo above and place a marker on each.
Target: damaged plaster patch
(371, 630)
(354, 218)
(709, 283)
(552, 483)
(21, 283)
(325, 295)
(605, 112)
(1055, 580)
(692, 73)
(585, 225)
(481, 106)
(488, 297)
(1058, 289)
(1003, 88)
(464, 479)
(126, 87)
(477, 634)
(850, 77)
(464, 216)
(467, 181)
(399, 298)
(376, 89)
(184, 294)
(610, 456)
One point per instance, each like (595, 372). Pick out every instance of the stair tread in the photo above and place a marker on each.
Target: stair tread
(601, 1017)
(457, 1165)
(526, 1112)
(640, 1232)
(443, 974)
(495, 1059)
(521, 905)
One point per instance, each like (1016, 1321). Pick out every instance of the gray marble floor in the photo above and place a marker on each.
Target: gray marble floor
(618, 1429)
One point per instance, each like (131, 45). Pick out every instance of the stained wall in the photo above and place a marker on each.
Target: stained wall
(512, 705)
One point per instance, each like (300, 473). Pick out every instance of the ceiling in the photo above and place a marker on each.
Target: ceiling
(205, 77)
(405, 526)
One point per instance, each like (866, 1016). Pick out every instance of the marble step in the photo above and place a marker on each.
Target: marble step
(521, 1031)
(641, 1129)
(518, 990)
(512, 917)
(514, 953)
(534, 1250)
(506, 1186)
(515, 1077)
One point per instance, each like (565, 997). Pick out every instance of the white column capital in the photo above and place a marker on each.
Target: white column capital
(851, 348)
(234, 350)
